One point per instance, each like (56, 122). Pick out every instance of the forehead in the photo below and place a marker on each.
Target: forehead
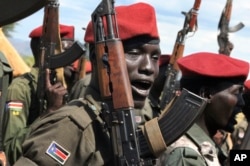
(228, 86)
(138, 41)
(143, 47)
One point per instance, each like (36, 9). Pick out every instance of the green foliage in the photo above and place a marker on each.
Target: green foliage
(7, 29)
(29, 60)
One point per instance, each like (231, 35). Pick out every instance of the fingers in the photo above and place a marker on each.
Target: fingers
(57, 87)
(48, 84)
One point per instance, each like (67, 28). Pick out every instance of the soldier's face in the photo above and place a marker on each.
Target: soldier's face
(224, 107)
(142, 64)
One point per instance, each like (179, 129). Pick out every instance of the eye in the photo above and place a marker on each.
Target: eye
(133, 54)
(155, 56)
(238, 91)
(241, 89)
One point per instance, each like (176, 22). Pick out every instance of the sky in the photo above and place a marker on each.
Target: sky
(169, 20)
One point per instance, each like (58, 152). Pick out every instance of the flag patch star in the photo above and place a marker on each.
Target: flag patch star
(58, 153)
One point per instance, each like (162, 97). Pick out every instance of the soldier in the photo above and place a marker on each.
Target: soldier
(219, 79)
(6, 74)
(79, 137)
(242, 119)
(22, 106)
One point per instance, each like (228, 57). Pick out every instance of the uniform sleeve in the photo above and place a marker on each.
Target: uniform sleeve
(75, 90)
(183, 156)
(25, 161)
(57, 140)
(15, 118)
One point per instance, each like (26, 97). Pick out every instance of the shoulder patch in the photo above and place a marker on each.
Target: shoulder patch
(57, 152)
(15, 107)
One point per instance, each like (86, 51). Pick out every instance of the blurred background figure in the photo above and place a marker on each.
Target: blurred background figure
(22, 102)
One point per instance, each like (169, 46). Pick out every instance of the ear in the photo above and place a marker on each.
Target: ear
(205, 92)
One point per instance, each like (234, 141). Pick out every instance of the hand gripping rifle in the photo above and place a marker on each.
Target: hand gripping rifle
(225, 46)
(51, 55)
(190, 25)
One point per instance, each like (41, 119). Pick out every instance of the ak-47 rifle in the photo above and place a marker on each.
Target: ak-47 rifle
(190, 25)
(114, 83)
(131, 145)
(51, 55)
(225, 46)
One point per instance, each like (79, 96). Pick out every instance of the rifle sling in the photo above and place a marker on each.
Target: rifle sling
(66, 58)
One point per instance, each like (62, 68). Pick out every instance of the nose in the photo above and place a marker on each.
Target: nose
(240, 101)
(147, 66)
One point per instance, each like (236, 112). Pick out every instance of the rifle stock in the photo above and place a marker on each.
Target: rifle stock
(177, 53)
(103, 70)
(190, 25)
(81, 71)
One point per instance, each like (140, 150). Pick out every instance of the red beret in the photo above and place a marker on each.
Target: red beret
(75, 65)
(66, 31)
(213, 65)
(88, 67)
(133, 20)
(164, 59)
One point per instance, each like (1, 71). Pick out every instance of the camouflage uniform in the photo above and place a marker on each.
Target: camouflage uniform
(21, 111)
(194, 148)
(219, 87)
(80, 119)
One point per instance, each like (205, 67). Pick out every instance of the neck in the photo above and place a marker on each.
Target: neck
(205, 126)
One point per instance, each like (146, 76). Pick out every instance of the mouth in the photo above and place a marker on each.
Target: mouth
(232, 121)
(141, 88)
(234, 116)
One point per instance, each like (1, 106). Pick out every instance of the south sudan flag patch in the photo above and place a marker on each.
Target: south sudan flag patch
(15, 107)
(58, 153)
